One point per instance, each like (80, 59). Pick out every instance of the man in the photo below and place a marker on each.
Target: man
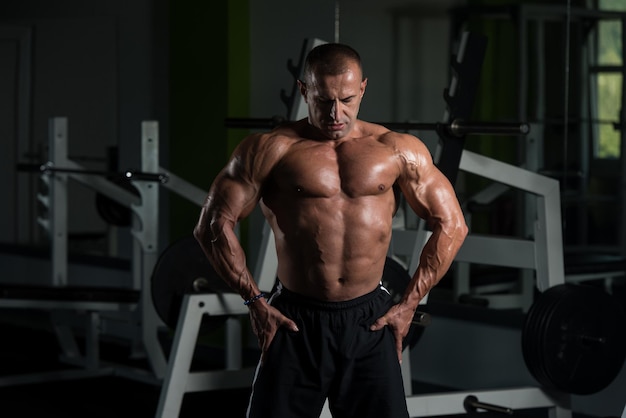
(325, 185)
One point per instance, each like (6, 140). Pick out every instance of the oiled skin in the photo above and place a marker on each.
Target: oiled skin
(325, 186)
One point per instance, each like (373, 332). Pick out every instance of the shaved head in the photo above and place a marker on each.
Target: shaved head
(330, 59)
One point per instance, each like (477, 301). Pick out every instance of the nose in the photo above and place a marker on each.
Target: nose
(333, 110)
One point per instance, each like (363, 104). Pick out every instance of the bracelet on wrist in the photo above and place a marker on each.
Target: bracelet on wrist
(254, 299)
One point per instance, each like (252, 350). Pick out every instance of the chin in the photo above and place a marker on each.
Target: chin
(336, 134)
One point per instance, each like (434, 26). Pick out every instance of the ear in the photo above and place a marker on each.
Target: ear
(302, 88)
(363, 85)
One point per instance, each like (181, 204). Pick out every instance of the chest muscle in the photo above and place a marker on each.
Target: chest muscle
(355, 170)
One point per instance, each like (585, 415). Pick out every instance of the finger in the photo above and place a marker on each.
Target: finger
(289, 324)
(399, 349)
(379, 324)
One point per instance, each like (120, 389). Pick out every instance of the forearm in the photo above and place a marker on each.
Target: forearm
(223, 249)
(435, 259)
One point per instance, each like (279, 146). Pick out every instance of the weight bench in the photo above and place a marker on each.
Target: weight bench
(90, 301)
(180, 379)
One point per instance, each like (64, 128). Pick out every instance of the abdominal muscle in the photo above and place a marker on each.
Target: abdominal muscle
(332, 249)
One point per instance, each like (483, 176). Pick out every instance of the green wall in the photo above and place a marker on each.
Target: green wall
(209, 81)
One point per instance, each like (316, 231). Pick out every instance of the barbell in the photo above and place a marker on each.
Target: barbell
(110, 211)
(573, 336)
(50, 168)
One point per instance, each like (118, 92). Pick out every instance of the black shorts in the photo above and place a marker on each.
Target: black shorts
(334, 356)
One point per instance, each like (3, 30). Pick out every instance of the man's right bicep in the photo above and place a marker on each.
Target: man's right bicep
(233, 196)
(240, 182)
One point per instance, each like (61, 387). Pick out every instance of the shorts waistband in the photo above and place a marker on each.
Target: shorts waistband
(293, 297)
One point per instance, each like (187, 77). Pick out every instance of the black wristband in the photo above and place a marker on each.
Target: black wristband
(254, 299)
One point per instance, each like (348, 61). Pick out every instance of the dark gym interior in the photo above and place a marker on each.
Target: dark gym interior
(115, 117)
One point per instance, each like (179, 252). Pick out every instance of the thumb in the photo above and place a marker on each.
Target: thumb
(379, 324)
(399, 349)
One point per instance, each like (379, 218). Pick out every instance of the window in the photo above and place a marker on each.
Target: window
(608, 82)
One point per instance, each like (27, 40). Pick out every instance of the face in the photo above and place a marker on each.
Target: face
(333, 101)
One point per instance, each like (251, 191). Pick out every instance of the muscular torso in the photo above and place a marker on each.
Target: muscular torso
(330, 205)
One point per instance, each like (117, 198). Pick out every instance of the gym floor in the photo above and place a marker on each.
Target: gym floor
(33, 349)
(28, 349)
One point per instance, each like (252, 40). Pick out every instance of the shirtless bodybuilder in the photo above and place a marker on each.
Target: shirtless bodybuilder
(325, 185)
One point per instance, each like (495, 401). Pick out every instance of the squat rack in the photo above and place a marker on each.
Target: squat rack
(126, 311)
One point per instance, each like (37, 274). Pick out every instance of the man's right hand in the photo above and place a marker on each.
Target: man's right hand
(266, 320)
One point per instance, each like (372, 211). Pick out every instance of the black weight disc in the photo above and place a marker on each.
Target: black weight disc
(183, 268)
(533, 339)
(573, 339)
(111, 211)
(592, 344)
(395, 279)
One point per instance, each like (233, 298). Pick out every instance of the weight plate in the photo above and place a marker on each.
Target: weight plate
(573, 339)
(551, 309)
(533, 335)
(113, 212)
(183, 268)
